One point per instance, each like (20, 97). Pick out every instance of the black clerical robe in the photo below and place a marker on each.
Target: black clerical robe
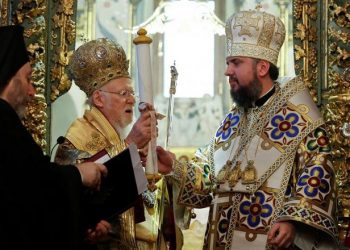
(39, 200)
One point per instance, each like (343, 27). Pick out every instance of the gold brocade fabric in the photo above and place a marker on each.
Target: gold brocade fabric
(93, 133)
(86, 137)
(294, 180)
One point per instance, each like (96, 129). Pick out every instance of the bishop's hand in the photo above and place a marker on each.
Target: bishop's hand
(281, 234)
(165, 160)
(141, 132)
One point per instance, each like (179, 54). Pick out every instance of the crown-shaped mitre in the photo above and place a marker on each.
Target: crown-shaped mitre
(254, 34)
(96, 62)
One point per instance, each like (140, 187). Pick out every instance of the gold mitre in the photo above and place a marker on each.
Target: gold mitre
(96, 62)
(254, 34)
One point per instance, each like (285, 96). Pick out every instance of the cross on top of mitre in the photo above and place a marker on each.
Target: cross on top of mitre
(246, 22)
(258, 6)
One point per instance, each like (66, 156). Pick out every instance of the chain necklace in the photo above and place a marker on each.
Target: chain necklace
(231, 171)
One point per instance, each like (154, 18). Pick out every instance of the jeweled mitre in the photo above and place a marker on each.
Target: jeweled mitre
(96, 62)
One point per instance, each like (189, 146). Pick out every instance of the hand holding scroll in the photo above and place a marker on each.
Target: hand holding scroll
(141, 132)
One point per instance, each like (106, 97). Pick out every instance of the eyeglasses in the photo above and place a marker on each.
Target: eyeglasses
(123, 93)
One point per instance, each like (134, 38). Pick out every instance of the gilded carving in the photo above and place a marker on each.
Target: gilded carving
(4, 12)
(30, 14)
(339, 35)
(300, 31)
(336, 113)
(305, 43)
(299, 52)
(337, 108)
(325, 63)
(340, 13)
(62, 41)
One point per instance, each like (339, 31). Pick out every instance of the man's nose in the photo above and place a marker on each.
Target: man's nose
(229, 70)
(131, 99)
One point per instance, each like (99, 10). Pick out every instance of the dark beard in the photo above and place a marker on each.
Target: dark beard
(246, 96)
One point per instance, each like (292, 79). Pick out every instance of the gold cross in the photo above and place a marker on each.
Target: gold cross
(246, 22)
(258, 6)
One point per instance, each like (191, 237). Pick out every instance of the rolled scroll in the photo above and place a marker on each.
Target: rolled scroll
(143, 59)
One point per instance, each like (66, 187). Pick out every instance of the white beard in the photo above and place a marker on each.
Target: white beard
(123, 132)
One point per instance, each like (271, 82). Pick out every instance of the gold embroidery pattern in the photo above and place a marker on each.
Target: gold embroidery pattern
(287, 154)
(289, 166)
(188, 194)
(179, 170)
(88, 65)
(284, 95)
(253, 51)
(223, 217)
(226, 145)
(279, 32)
(303, 109)
(229, 36)
(311, 217)
(267, 31)
(96, 143)
(236, 201)
(266, 144)
(246, 22)
(248, 133)
(248, 32)
(281, 97)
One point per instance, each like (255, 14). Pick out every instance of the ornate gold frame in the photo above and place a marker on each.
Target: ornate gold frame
(322, 56)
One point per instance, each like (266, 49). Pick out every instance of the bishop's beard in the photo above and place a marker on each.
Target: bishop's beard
(123, 131)
(246, 96)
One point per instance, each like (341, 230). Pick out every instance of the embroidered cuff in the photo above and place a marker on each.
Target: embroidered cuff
(178, 170)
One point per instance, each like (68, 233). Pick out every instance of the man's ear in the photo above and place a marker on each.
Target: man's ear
(97, 99)
(262, 68)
